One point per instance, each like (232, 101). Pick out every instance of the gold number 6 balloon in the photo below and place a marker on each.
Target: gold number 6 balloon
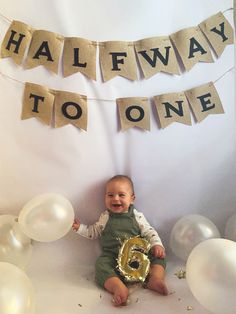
(133, 263)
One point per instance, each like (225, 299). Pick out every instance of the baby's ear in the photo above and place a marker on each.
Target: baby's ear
(133, 198)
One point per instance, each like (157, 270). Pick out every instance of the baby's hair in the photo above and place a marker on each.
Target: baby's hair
(122, 177)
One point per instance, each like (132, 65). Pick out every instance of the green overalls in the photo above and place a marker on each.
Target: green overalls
(120, 226)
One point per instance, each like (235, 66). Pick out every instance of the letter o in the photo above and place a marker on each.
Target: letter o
(67, 115)
(129, 116)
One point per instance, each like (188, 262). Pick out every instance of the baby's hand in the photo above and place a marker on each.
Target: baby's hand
(76, 225)
(158, 251)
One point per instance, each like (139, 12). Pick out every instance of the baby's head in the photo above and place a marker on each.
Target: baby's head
(119, 194)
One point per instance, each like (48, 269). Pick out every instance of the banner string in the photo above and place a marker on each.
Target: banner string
(223, 74)
(5, 18)
(229, 9)
(10, 21)
(11, 78)
(105, 99)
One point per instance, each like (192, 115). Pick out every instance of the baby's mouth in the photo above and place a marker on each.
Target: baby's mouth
(116, 205)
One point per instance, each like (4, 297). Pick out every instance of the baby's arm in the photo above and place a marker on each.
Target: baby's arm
(92, 231)
(148, 232)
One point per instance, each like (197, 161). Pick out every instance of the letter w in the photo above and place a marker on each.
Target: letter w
(156, 54)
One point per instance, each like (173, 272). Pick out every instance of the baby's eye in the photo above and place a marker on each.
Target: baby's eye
(110, 195)
(122, 195)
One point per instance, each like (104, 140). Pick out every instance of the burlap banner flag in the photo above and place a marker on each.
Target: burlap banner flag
(16, 40)
(134, 112)
(118, 58)
(218, 31)
(79, 55)
(171, 108)
(45, 49)
(192, 46)
(204, 100)
(38, 103)
(70, 108)
(156, 55)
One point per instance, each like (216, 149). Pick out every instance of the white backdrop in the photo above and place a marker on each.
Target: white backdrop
(177, 171)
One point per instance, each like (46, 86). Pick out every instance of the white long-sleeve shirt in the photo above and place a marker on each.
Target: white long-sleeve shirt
(146, 230)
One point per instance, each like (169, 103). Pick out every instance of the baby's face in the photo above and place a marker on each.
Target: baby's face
(119, 196)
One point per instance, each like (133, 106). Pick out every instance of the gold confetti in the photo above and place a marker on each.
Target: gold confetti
(181, 274)
(189, 308)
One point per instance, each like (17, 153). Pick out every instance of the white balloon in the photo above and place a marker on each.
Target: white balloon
(15, 246)
(230, 228)
(47, 217)
(189, 231)
(211, 275)
(16, 291)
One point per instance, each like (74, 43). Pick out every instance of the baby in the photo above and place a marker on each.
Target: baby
(121, 221)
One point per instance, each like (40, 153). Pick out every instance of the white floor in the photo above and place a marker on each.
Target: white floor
(62, 274)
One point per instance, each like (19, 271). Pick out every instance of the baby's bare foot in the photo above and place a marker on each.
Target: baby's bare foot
(157, 285)
(120, 296)
(118, 289)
